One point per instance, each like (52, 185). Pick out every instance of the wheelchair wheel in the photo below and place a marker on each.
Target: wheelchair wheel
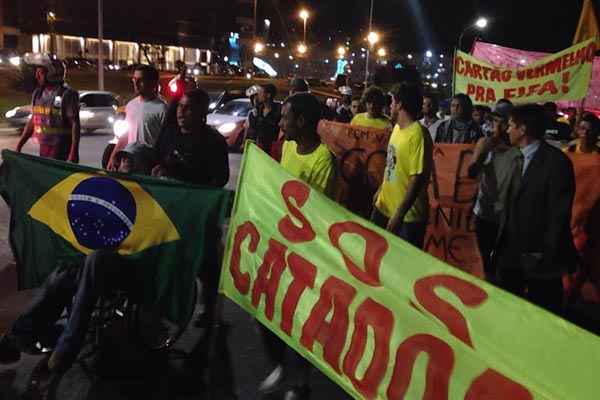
(158, 333)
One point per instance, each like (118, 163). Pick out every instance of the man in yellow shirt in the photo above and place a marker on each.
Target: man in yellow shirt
(305, 157)
(401, 203)
(374, 99)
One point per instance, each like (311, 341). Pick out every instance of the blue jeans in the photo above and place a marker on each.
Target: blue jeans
(103, 271)
(412, 232)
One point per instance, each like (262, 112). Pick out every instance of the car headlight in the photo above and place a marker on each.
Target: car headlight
(120, 128)
(85, 114)
(16, 61)
(227, 128)
(11, 113)
(212, 105)
(111, 120)
(196, 71)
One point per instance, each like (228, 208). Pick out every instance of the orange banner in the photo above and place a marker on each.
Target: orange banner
(361, 155)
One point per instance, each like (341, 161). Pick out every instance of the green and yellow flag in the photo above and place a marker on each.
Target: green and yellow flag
(381, 318)
(61, 212)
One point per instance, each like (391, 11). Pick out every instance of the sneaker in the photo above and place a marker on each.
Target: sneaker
(9, 349)
(272, 381)
(297, 393)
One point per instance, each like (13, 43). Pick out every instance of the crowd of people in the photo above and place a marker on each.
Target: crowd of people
(522, 209)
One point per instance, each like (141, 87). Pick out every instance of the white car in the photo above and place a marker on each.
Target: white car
(229, 121)
(96, 111)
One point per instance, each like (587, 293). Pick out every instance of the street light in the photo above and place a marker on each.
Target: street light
(381, 52)
(428, 54)
(304, 16)
(341, 51)
(258, 47)
(481, 23)
(302, 48)
(373, 38)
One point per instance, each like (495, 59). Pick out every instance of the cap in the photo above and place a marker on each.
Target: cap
(252, 90)
(502, 110)
(142, 155)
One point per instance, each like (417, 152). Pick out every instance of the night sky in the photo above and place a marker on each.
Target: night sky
(412, 25)
(408, 25)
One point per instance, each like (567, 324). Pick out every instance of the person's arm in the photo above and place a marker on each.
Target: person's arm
(417, 182)
(75, 138)
(559, 204)
(221, 176)
(112, 166)
(25, 135)
(480, 156)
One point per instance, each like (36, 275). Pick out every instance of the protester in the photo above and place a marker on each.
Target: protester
(190, 150)
(344, 112)
(145, 114)
(429, 111)
(54, 112)
(374, 100)
(101, 272)
(356, 106)
(249, 124)
(401, 205)
(460, 128)
(555, 130)
(305, 157)
(480, 115)
(535, 246)
(266, 123)
(587, 135)
(503, 106)
(494, 161)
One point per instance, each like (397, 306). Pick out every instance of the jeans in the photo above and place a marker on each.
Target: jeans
(412, 232)
(103, 272)
(487, 233)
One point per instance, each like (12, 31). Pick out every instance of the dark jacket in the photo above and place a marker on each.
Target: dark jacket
(535, 233)
(266, 127)
(200, 157)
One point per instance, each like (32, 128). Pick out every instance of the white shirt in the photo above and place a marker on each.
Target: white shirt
(145, 119)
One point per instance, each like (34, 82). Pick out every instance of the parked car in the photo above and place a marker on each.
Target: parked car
(229, 121)
(96, 111)
(219, 99)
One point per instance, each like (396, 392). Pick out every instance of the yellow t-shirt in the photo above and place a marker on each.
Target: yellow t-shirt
(315, 168)
(364, 120)
(405, 158)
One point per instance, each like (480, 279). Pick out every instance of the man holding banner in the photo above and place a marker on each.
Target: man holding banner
(305, 157)
(402, 203)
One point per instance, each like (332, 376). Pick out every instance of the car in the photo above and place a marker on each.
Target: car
(9, 58)
(219, 99)
(96, 111)
(229, 121)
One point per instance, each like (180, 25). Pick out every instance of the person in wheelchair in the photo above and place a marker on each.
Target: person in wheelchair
(77, 287)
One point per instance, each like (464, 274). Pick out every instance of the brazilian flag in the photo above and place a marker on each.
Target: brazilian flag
(60, 212)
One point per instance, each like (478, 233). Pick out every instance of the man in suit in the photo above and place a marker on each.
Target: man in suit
(535, 247)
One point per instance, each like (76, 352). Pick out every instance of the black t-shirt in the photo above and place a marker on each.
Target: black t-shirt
(200, 157)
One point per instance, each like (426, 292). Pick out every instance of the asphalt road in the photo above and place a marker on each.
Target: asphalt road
(235, 372)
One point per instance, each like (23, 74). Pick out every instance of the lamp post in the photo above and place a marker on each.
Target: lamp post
(100, 46)
(480, 24)
(304, 16)
(372, 38)
(371, 33)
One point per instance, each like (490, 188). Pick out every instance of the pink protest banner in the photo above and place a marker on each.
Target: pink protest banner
(509, 57)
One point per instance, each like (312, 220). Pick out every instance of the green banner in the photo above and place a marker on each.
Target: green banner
(61, 212)
(381, 318)
(562, 76)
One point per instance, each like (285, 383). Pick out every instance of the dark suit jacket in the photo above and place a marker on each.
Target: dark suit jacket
(539, 218)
